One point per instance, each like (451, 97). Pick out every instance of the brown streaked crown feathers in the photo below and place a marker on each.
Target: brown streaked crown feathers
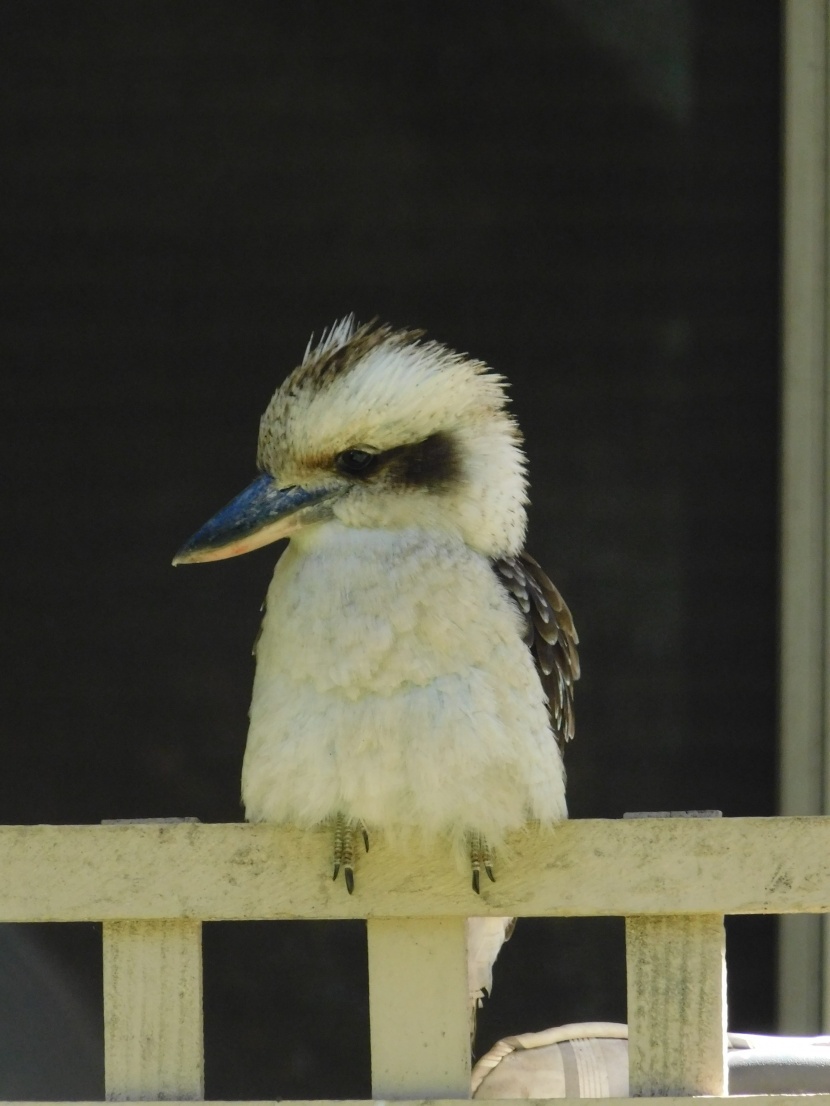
(327, 361)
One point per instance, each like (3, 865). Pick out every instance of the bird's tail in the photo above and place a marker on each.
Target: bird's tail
(485, 937)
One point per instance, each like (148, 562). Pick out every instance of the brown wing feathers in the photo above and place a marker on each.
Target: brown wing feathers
(549, 634)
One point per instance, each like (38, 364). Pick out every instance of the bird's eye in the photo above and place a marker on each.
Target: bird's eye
(355, 462)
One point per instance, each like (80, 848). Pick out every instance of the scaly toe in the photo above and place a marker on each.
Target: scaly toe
(338, 844)
(344, 830)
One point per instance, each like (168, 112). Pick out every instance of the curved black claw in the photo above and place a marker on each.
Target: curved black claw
(480, 854)
(348, 875)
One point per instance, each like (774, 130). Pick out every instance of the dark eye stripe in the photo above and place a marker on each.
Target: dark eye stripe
(432, 464)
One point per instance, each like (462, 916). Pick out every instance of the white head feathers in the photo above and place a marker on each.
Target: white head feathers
(444, 452)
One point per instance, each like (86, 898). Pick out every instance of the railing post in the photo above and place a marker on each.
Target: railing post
(676, 983)
(153, 1046)
(418, 1005)
(153, 1022)
(676, 1005)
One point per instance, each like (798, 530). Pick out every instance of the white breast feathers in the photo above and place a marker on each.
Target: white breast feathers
(393, 687)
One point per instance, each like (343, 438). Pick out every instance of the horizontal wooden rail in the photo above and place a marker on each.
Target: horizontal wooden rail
(581, 868)
(741, 1100)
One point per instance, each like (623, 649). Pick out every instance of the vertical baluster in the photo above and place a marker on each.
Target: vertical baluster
(153, 1023)
(676, 971)
(153, 1035)
(418, 1003)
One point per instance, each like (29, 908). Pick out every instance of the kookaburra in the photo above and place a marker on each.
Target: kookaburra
(415, 668)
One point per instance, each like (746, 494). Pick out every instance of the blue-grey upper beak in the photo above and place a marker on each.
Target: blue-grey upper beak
(259, 515)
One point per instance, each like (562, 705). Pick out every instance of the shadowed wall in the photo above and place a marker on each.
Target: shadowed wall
(585, 199)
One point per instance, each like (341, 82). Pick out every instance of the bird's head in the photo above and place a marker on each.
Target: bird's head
(380, 429)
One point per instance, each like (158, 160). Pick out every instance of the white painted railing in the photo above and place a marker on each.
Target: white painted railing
(153, 884)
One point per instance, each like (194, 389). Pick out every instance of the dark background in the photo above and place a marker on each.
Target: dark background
(583, 193)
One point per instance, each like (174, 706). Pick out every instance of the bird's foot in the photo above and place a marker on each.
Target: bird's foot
(481, 855)
(344, 831)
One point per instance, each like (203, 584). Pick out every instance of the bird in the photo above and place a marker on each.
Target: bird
(415, 666)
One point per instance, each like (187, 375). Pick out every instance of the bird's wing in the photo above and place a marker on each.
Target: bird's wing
(550, 635)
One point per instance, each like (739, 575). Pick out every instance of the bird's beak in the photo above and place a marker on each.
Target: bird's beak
(261, 514)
